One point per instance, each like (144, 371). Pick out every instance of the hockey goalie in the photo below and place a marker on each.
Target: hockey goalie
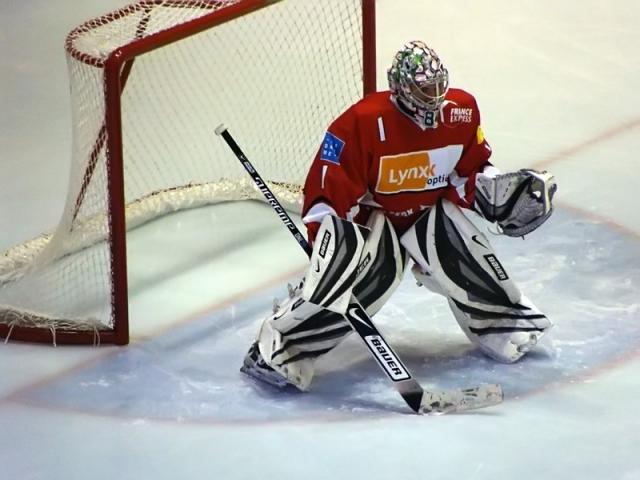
(388, 189)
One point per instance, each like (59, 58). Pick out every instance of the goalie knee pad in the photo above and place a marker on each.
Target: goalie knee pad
(455, 259)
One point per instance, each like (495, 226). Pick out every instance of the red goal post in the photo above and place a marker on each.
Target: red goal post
(148, 83)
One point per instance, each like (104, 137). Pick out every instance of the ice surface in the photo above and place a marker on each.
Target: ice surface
(190, 372)
(557, 87)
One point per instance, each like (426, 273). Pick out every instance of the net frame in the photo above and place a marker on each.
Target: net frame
(116, 68)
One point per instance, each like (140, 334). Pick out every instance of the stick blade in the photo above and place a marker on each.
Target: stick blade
(438, 403)
(412, 393)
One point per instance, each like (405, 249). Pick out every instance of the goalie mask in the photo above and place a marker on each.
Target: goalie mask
(418, 80)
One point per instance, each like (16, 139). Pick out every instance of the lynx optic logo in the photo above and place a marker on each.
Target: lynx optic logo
(410, 172)
(496, 267)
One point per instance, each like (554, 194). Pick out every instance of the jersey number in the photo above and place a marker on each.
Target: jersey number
(430, 119)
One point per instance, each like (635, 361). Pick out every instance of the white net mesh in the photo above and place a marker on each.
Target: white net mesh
(276, 77)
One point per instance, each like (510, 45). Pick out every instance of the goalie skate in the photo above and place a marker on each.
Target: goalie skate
(255, 366)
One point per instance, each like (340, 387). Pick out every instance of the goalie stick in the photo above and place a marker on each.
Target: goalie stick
(419, 400)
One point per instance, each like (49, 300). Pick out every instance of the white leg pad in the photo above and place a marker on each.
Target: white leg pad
(455, 259)
(299, 331)
(300, 373)
(296, 335)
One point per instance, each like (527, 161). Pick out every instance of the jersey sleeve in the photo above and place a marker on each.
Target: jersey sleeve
(474, 159)
(337, 178)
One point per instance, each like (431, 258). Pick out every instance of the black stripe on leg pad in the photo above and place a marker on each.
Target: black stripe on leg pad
(345, 239)
(460, 266)
(322, 319)
(309, 354)
(502, 330)
(335, 334)
(383, 273)
(477, 314)
(421, 232)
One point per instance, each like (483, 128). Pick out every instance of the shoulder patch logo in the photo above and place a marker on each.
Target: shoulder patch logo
(332, 148)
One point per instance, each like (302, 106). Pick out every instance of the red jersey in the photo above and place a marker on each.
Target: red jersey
(376, 156)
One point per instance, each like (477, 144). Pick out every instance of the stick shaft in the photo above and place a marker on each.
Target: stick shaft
(268, 194)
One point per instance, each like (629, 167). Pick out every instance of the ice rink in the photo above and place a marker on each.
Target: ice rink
(556, 82)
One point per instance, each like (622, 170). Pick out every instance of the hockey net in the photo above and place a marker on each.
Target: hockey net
(149, 83)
